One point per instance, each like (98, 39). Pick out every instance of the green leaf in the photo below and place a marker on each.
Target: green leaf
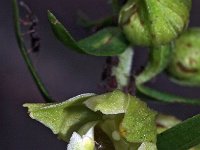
(181, 137)
(165, 122)
(158, 60)
(165, 97)
(64, 118)
(138, 125)
(107, 42)
(109, 103)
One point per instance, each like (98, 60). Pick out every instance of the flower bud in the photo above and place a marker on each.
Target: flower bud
(185, 63)
(154, 22)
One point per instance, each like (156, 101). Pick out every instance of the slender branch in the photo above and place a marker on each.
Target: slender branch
(165, 97)
(158, 60)
(24, 53)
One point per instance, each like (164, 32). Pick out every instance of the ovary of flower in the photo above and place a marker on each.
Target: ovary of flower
(86, 142)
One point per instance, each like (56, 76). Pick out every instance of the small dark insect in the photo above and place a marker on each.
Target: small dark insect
(109, 82)
(131, 85)
(31, 21)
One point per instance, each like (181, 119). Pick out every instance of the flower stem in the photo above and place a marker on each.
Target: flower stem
(122, 71)
(24, 53)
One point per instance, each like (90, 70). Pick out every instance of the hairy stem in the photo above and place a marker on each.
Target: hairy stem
(122, 71)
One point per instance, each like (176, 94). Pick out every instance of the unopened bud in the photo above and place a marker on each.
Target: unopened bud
(154, 22)
(185, 63)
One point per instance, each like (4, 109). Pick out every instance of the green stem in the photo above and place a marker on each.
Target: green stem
(165, 97)
(158, 60)
(24, 53)
(123, 69)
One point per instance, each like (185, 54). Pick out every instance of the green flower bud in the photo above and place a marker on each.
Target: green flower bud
(154, 22)
(185, 63)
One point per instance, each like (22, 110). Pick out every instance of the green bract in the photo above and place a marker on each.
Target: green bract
(185, 63)
(109, 103)
(126, 120)
(64, 118)
(138, 124)
(154, 22)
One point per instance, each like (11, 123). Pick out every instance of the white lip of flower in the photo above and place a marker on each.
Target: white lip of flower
(147, 146)
(86, 142)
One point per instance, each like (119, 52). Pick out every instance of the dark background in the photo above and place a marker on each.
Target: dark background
(65, 73)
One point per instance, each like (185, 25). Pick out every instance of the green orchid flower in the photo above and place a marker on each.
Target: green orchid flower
(153, 22)
(184, 67)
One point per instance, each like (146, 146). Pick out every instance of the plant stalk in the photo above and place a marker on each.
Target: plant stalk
(122, 71)
(25, 55)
